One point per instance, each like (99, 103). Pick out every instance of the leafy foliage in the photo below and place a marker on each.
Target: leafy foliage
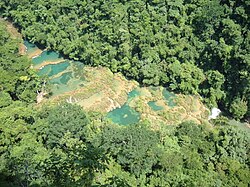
(151, 41)
(191, 46)
(53, 123)
(17, 79)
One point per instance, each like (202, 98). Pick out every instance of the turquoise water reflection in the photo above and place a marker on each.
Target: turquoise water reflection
(63, 79)
(124, 115)
(153, 105)
(53, 69)
(134, 93)
(169, 97)
(46, 56)
(30, 47)
(73, 78)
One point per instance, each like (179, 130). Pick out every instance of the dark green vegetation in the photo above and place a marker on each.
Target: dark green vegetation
(190, 46)
(17, 81)
(62, 145)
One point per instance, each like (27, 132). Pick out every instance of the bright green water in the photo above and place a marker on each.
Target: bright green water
(53, 69)
(67, 81)
(169, 97)
(63, 79)
(77, 69)
(153, 105)
(46, 56)
(133, 94)
(73, 78)
(124, 115)
(30, 47)
(58, 88)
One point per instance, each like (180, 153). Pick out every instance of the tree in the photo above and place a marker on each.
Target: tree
(185, 77)
(134, 147)
(145, 40)
(54, 121)
(212, 87)
(238, 108)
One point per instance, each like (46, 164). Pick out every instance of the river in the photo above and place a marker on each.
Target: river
(122, 101)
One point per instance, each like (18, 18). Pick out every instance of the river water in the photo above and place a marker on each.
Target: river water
(64, 78)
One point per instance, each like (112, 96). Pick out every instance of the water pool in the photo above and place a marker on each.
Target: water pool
(124, 115)
(169, 97)
(46, 56)
(154, 106)
(53, 69)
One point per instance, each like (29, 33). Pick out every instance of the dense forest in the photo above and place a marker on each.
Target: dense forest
(196, 47)
(62, 145)
(193, 47)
